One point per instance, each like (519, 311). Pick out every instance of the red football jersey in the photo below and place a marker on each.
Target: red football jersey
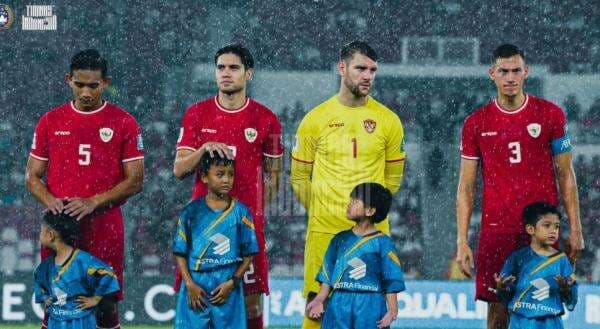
(252, 131)
(515, 153)
(86, 150)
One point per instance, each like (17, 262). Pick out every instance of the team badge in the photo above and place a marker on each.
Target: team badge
(7, 17)
(106, 134)
(370, 125)
(250, 134)
(534, 130)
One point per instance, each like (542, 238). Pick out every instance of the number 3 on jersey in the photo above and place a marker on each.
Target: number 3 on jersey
(85, 154)
(515, 149)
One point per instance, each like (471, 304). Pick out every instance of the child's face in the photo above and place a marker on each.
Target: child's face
(546, 230)
(46, 235)
(218, 179)
(357, 211)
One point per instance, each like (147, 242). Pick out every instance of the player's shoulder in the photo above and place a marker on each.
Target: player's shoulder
(375, 105)
(545, 105)
(318, 116)
(241, 207)
(118, 112)
(192, 207)
(479, 113)
(204, 105)
(261, 111)
(58, 111)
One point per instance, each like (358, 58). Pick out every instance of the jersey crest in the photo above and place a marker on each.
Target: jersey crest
(534, 129)
(250, 134)
(370, 125)
(106, 134)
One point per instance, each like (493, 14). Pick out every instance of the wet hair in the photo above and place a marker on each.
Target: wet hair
(65, 225)
(89, 59)
(376, 196)
(206, 161)
(535, 211)
(240, 51)
(506, 50)
(349, 49)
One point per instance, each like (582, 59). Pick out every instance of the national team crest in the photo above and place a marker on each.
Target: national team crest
(106, 134)
(370, 125)
(534, 129)
(250, 134)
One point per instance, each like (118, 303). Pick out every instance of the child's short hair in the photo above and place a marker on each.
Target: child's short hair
(534, 212)
(216, 160)
(376, 196)
(66, 226)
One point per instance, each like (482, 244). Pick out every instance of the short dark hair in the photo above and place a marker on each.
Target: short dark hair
(506, 50)
(66, 226)
(237, 49)
(351, 48)
(376, 196)
(89, 59)
(535, 211)
(216, 160)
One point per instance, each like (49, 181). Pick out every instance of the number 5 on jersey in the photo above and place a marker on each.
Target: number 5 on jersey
(85, 154)
(515, 149)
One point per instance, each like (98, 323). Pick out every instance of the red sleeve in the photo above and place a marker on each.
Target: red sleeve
(559, 123)
(468, 143)
(133, 144)
(189, 136)
(39, 145)
(272, 146)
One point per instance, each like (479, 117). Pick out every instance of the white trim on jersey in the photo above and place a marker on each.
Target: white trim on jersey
(468, 157)
(512, 112)
(37, 157)
(186, 148)
(273, 156)
(89, 112)
(231, 111)
(133, 159)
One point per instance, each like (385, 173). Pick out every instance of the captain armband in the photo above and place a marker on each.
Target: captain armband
(561, 145)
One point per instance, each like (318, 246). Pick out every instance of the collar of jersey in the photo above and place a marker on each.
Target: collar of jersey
(72, 103)
(337, 99)
(512, 112)
(231, 111)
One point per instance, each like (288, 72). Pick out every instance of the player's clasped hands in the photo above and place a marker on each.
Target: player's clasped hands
(218, 148)
(55, 206)
(196, 297)
(80, 207)
(315, 309)
(221, 293)
(87, 302)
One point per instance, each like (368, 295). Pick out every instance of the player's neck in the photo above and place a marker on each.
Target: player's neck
(217, 201)
(347, 98)
(92, 108)
(364, 227)
(511, 103)
(232, 102)
(63, 252)
(541, 249)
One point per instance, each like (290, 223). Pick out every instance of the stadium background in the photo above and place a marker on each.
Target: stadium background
(433, 60)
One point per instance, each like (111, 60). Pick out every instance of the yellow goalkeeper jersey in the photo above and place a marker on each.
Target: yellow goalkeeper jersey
(346, 146)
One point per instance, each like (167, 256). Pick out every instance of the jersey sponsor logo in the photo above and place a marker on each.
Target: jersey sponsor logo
(180, 135)
(222, 244)
(543, 289)
(61, 296)
(140, 142)
(250, 134)
(62, 133)
(534, 129)
(7, 17)
(489, 133)
(336, 125)
(106, 134)
(359, 268)
(207, 130)
(370, 125)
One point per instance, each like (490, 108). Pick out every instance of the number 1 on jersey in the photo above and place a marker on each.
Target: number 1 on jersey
(354, 148)
(515, 149)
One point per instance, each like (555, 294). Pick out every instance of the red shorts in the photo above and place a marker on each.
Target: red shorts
(102, 235)
(256, 278)
(492, 251)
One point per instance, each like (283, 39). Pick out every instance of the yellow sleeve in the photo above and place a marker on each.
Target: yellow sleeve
(394, 155)
(303, 156)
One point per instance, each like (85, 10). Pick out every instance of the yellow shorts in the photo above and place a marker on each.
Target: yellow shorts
(314, 253)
